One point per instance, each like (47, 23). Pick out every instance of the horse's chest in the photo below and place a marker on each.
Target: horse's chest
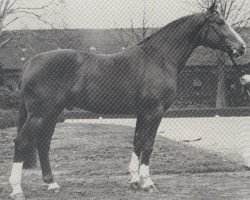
(160, 90)
(158, 84)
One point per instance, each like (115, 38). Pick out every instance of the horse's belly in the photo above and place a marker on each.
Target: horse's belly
(108, 104)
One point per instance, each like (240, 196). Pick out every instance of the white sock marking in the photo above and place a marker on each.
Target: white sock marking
(53, 186)
(145, 176)
(15, 178)
(134, 168)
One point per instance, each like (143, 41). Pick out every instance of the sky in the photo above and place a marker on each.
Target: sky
(99, 14)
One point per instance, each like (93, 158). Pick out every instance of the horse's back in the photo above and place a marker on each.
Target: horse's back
(59, 62)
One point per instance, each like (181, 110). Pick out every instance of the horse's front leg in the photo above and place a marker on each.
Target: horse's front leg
(134, 163)
(146, 128)
(151, 123)
(43, 146)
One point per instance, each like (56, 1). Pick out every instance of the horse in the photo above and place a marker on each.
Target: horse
(141, 81)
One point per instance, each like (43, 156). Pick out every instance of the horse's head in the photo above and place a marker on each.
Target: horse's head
(217, 33)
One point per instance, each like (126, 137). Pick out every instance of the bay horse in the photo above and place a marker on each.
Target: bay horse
(140, 81)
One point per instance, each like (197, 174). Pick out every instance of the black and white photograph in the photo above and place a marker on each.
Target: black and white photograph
(125, 99)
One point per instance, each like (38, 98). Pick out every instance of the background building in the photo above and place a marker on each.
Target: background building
(197, 83)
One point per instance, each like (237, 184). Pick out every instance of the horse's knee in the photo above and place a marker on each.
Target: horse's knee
(35, 122)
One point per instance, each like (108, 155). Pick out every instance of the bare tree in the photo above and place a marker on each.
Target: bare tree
(126, 37)
(122, 37)
(235, 11)
(32, 42)
(11, 11)
(238, 14)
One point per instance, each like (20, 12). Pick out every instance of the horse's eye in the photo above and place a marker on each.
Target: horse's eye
(221, 22)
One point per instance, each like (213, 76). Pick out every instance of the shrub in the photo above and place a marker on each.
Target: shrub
(8, 118)
(9, 99)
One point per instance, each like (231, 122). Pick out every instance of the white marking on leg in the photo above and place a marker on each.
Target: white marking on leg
(53, 186)
(134, 168)
(15, 179)
(145, 176)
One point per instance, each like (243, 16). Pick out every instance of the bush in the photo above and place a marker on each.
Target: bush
(8, 118)
(9, 99)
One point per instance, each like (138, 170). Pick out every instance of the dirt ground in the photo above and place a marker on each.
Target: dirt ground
(90, 161)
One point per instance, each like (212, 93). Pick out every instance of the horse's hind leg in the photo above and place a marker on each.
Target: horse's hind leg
(37, 130)
(23, 143)
(43, 145)
(51, 112)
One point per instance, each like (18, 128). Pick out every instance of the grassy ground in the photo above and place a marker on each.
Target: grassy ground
(91, 162)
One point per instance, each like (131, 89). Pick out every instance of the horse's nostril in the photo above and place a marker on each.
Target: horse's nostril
(229, 47)
(243, 50)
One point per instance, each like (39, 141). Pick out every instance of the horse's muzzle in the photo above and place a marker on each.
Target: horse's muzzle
(235, 53)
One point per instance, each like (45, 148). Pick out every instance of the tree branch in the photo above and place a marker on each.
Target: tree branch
(240, 22)
(229, 9)
(10, 22)
(2, 44)
(36, 8)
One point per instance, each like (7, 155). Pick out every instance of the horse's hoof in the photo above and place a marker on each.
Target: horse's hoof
(246, 167)
(18, 196)
(54, 190)
(151, 189)
(54, 187)
(135, 186)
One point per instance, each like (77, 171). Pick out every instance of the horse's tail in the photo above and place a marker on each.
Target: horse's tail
(30, 160)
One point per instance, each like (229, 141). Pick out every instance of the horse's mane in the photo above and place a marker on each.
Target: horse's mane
(169, 26)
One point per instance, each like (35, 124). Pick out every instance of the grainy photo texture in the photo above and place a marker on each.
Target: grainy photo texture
(122, 99)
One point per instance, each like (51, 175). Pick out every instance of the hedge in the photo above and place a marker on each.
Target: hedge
(9, 99)
(8, 118)
(9, 103)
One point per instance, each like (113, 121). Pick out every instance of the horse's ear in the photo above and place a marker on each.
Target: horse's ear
(213, 7)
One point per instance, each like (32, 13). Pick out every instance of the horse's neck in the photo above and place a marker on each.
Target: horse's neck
(175, 44)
